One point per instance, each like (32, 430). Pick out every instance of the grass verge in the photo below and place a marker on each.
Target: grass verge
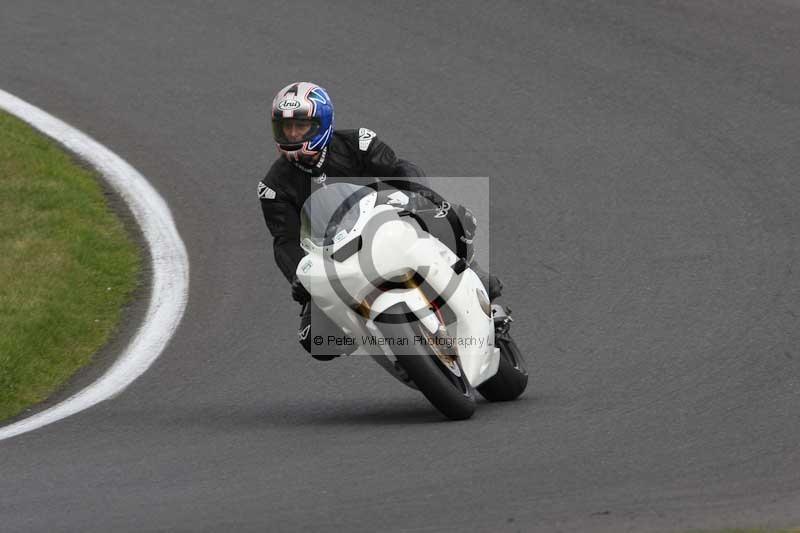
(67, 266)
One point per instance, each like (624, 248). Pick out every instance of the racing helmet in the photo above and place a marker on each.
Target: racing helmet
(302, 120)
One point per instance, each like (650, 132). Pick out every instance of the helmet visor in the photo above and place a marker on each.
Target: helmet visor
(294, 131)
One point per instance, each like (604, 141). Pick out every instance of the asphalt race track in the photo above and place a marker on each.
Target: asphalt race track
(644, 166)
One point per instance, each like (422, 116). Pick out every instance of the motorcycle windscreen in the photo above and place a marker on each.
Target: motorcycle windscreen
(331, 212)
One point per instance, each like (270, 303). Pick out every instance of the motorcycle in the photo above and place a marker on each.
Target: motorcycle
(404, 298)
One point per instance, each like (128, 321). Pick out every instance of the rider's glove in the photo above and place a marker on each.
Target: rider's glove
(299, 293)
(468, 222)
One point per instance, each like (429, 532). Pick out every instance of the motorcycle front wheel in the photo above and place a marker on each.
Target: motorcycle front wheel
(438, 376)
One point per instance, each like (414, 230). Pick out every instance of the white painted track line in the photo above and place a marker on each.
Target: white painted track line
(170, 266)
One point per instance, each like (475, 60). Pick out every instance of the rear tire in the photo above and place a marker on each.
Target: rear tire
(511, 379)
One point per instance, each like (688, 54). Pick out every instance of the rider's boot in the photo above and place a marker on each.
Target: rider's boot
(304, 334)
(502, 319)
(323, 328)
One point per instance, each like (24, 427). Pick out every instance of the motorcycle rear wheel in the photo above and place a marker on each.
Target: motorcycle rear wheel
(511, 379)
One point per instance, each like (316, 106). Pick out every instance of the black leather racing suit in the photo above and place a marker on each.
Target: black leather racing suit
(287, 185)
(351, 153)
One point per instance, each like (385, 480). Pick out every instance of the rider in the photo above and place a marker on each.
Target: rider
(311, 152)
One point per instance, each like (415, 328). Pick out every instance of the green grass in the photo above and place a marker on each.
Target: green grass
(67, 266)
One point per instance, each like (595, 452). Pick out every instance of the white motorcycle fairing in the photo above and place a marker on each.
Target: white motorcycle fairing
(396, 249)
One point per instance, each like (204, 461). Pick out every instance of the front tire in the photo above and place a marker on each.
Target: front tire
(447, 388)
(456, 402)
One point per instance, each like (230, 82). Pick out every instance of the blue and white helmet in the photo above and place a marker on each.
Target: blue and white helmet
(307, 104)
